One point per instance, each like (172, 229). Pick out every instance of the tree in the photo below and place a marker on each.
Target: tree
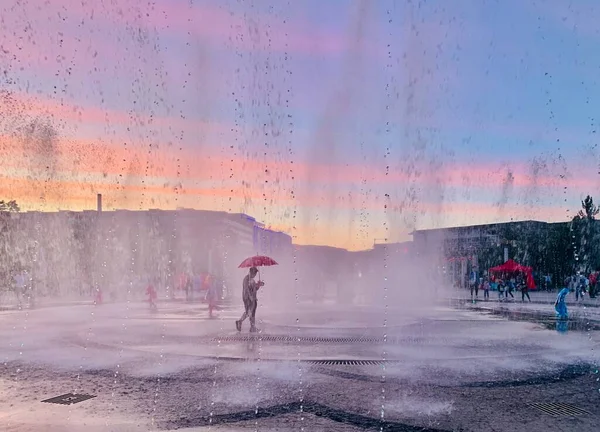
(589, 211)
(9, 207)
(547, 248)
(559, 252)
(585, 236)
(9, 242)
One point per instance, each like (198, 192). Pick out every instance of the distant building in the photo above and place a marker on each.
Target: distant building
(269, 242)
(464, 241)
(84, 250)
(459, 248)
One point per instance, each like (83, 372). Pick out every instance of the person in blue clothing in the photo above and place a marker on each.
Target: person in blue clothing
(560, 305)
(580, 286)
(501, 287)
(510, 287)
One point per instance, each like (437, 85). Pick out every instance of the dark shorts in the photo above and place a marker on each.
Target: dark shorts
(250, 303)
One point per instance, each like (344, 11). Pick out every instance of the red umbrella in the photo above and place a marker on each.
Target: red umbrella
(257, 261)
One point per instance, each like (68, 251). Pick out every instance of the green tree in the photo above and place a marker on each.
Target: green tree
(585, 236)
(547, 248)
(559, 252)
(589, 210)
(9, 207)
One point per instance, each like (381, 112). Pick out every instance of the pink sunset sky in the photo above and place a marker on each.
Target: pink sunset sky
(338, 122)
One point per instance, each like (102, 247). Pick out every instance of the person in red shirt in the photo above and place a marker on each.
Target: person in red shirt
(182, 282)
(212, 295)
(98, 296)
(593, 279)
(152, 296)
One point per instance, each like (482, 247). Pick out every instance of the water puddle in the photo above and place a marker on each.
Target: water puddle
(545, 319)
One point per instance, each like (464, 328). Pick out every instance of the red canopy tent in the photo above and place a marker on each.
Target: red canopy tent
(510, 268)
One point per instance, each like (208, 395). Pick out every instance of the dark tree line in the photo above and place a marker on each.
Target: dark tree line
(559, 249)
(585, 237)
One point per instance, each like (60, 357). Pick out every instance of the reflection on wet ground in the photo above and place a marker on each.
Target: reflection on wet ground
(443, 365)
(545, 319)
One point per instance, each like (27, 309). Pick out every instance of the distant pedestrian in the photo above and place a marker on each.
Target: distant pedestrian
(183, 284)
(501, 289)
(510, 287)
(152, 296)
(212, 295)
(19, 287)
(474, 287)
(486, 289)
(525, 291)
(98, 296)
(188, 287)
(593, 280)
(579, 284)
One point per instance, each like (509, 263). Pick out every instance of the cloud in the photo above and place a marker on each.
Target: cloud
(79, 156)
(237, 28)
(78, 193)
(69, 113)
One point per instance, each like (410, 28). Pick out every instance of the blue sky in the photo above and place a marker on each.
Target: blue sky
(473, 93)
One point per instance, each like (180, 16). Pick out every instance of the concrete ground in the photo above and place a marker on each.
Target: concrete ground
(429, 367)
(537, 297)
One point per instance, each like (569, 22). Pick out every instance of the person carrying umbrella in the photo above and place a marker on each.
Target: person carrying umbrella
(249, 296)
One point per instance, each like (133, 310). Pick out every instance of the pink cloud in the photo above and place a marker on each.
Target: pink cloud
(467, 210)
(239, 30)
(487, 176)
(69, 112)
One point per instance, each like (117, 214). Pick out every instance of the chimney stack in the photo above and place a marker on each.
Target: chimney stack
(99, 205)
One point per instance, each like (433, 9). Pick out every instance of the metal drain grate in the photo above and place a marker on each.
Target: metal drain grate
(69, 399)
(559, 409)
(316, 339)
(348, 362)
(282, 338)
(322, 362)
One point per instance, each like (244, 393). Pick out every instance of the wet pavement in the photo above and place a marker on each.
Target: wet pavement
(431, 367)
(584, 315)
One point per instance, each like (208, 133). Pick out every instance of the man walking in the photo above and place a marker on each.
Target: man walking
(249, 296)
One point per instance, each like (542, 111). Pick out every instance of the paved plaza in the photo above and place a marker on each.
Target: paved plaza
(437, 367)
